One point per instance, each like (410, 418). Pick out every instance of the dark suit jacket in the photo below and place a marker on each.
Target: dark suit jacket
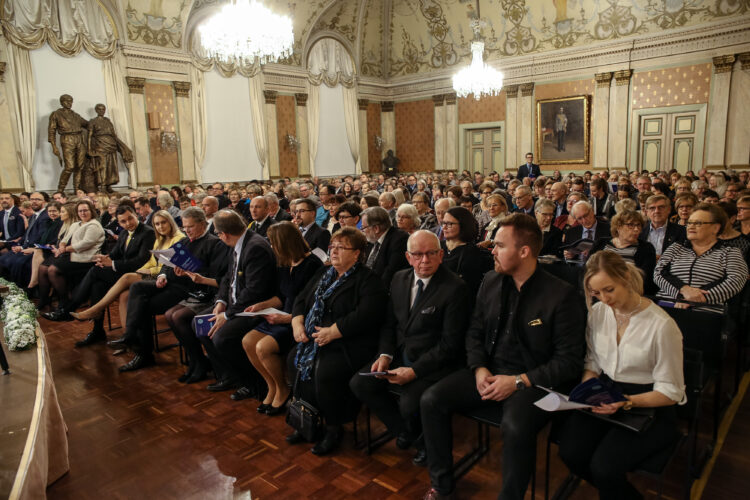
(128, 260)
(149, 220)
(317, 237)
(34, 232)
(49, 236)
(575, 233)
(256, 275)
(551, 241)
(550, 322)
(431, 333)
(675, 233)
(263, 228)
(523, 171)
(391, 255)
(215, 256)
(15, 224)
(282, 215)
(356, 307)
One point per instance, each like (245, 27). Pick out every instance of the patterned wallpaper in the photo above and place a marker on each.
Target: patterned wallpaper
(286, 123)
(415, 135)
(163, 143)
(489, 109)
(373, 129)
(671, 86)
(564, 89)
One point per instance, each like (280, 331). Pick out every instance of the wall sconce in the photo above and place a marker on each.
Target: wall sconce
(292, 142)
(379, 143)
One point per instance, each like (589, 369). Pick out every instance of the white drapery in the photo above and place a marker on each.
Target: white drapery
(329, 63)
(22, 100)
(198, 104)
(257, 103)
(67, 25)
(117, 106)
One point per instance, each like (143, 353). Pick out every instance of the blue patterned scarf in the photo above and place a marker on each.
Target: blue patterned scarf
(306, 351)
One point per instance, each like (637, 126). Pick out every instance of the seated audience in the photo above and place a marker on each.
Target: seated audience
(481, 209)
(347, 215)
(68, 216)
(497, 208)
(743, 215)
(336, 320)
(523, 200)
(407, 218)
(16, 264)
(145, 211)
(601, 199)
(274, 208)
(730, 236)
(314, 235)
(566, 220)
(659, 231)
(683, 205)
(649, 374)
(625, 241)
(462, 256)
(421, 202)
(386, 249)
(526, 330)
(589, 227)
(551, 236)
(48, 238)
(267, 344)
(702, 269)
(441, 207)
(11, 221)
(420, 343)
(261, 216)
(164, 201)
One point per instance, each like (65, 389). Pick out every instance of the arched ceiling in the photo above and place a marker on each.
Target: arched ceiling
(390, 38)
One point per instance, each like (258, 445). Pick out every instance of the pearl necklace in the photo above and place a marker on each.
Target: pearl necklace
(621, 319)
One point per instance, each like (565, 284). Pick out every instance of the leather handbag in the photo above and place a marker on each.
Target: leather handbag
(304, 417)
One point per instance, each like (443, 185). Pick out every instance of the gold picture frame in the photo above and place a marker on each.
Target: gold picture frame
(570, 146)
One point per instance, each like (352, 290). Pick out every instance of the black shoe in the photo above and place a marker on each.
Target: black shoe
(329, 443)
(263, 407)
(295, 438)
(198, 375)
(221, 385)
(420, 459)
(120, 343)
(242, 393)
(92, 338)
(58, 315)
(137, 363)
(183, 378)
(404, 440)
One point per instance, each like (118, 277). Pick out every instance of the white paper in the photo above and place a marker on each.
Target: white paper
(262, 312)
(168, 253)
(161, 259)
(319, 253)
(554, 401)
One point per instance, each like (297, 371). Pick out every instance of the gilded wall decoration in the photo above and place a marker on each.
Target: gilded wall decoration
(342, 20)
(371, 41)
(156, 23)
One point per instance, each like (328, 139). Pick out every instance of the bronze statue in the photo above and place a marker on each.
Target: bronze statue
(103, 147)
(390, 163)
(69, 125)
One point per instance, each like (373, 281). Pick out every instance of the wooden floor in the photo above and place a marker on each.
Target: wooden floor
(144, 435)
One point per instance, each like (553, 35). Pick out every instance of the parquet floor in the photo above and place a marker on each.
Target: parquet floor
(144, 435)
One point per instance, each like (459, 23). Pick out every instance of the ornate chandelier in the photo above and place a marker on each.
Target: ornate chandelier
(246, 29)
(479, 78)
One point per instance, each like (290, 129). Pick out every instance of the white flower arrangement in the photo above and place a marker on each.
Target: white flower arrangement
(18, 315)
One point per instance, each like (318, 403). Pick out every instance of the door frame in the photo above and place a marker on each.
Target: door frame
(700, 131)
(462, 128)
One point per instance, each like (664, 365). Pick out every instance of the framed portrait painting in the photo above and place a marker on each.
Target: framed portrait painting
(562, 130)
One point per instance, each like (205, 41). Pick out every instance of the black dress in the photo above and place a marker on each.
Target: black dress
(469, 262)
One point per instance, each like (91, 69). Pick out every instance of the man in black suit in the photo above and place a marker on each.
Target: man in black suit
(527, 329)
(420, 343)
(528, 169)
(217, 191)
(275, 210)
(148, 298)
(130, 253)
(251, 279)
(386, 252)
(38, 224)
(524, 200)
(659, 231)
(11, 222)
(262, 220)
(589, 227)
(210, 205)
(145, 211)
(544, 210)
(314, 235)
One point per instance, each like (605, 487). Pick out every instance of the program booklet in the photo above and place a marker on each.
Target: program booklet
(579, 247)
(178, 256)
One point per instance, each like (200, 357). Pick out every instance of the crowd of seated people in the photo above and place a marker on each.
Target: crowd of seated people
(429, 281)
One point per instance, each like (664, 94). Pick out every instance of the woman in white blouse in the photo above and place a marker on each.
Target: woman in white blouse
(636, 346)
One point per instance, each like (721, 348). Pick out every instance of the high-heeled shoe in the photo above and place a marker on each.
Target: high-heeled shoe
(84, 315)
(272, 411)
(263, 407)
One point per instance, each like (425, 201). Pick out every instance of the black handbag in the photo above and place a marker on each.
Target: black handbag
(304, 417)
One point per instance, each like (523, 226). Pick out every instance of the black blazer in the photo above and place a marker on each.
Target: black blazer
(549, 319)
(49, 236)
(262, 229)
(128, 260)
(35, 232)
(551, 241)
(356, 307)
(575, 233)
(282, 215)
(675, 233)
(215, 256)
(391, 255)
(523, 171)
(16, 227)
(317, 237)
(256, 275)
(469, 262)
(431, 333)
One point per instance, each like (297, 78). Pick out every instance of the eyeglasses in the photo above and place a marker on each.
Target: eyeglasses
(494, 205)
(633, 225)
(42, 199)
(449, 224)
(302, 210)
(338, 248)
(657, 207)
(486, 192)
(698, 223)
(421, 255)
(550, 214)
(344, 217)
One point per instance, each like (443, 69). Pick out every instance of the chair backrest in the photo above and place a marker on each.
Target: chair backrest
(702, 330)
(693, 368)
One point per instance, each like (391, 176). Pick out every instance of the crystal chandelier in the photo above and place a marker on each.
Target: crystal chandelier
(479, 78)
(246, 29)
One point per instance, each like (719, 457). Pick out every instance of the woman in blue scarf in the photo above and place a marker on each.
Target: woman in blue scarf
(336, 321)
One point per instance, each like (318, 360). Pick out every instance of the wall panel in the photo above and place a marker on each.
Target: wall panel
(415, 135)
(334, 156)
(373, 129)
(286, 121)
(671, 86)
(487, 109)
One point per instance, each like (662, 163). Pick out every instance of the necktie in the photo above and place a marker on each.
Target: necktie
(233, 295)
(127, 242)
(373, 255)
(32, 220)
(420, 287)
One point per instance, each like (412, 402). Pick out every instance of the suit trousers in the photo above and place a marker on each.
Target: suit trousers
(521, 422)
(398, 414)
(603, 453)
(93, 287)
(145, 301)
(226, 354)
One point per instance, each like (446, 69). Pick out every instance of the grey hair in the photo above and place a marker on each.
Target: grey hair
(425, 232)
(409, 210)
(544, 203)
(377, 216)
(194, 213)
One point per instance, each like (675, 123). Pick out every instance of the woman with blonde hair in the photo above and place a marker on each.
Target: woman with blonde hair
(634, 347)
(167, 234)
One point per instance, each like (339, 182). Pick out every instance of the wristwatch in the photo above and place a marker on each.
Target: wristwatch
(520, 383)
(628, 404)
